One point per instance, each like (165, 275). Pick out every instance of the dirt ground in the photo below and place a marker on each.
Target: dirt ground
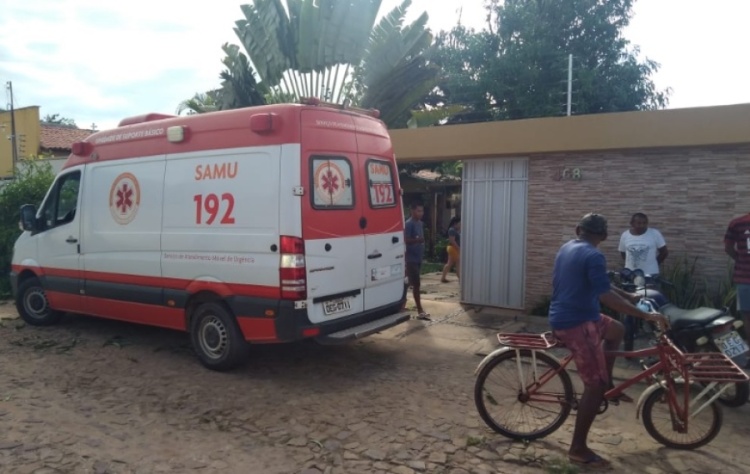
(97, 396)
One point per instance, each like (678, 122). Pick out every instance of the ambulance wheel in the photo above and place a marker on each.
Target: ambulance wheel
(33, 306)
(217, 338)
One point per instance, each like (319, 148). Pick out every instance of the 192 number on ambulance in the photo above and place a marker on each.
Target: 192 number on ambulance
(212, 206)
(382, 193)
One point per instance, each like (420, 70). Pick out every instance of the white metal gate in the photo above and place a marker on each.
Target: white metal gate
(493, 232)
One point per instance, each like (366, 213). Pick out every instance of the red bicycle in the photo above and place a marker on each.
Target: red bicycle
(525, 393)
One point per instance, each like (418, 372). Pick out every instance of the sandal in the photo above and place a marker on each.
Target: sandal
(424, 316)
(444, 281)
(595, 462)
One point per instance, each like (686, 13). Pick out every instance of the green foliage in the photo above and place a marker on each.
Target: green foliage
(298, 48)
(725, 293)
(331, 50)
(561, 466)
(238, 85)
(518, 67)
(200, 103)
(33, 179)
(686, 289)
(56, 119)
(395, 74)
(430, 267)
(689, 289)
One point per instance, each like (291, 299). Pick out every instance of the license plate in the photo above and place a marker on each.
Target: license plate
(337, 306)
(731, 345)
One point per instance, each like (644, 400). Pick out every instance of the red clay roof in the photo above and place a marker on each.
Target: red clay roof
(55, 137)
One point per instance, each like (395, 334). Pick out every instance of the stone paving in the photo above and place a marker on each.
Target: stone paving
(96, 396)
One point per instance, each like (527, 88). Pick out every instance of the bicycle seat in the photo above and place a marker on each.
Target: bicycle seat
(682, 318)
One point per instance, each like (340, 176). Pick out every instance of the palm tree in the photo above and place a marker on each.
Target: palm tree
(332, 50)
(395, 72)
(201, 102)
(238, 85)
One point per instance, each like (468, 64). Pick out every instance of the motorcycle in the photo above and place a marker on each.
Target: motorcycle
(692, 330)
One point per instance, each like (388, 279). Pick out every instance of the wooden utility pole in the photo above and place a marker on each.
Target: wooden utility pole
(14, 147)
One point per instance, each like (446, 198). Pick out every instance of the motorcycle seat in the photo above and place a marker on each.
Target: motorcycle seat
(682, 318)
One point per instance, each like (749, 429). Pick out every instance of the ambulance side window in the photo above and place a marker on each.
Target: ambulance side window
(60, 207)
(331, 182)
(382, 191)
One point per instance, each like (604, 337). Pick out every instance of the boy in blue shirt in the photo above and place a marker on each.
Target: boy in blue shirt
(414, 239)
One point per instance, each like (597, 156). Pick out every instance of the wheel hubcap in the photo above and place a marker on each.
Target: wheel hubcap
(213, 337)
(35, 303)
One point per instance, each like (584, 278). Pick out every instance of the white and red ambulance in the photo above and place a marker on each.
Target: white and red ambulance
(263, 224)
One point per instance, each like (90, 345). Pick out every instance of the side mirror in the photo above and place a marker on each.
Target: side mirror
(28, 217)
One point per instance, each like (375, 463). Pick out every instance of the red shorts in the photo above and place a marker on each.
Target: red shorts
(585, 342)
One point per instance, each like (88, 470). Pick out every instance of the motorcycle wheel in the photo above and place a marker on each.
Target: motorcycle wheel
(735, 396)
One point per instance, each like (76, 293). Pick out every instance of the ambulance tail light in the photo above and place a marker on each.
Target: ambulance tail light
(293, 272)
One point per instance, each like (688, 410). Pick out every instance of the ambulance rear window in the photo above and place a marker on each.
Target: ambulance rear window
(331, 182)
(380, 178)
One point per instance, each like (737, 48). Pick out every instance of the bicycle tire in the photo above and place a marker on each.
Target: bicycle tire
(480, 397)
(648, 422)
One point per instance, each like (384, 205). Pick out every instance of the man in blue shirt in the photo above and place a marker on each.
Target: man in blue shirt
(414, 239)
(579, 284)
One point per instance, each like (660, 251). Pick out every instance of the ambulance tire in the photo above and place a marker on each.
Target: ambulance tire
(216, 337)
(33, 306)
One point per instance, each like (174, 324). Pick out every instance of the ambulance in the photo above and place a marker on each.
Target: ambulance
(259, 225)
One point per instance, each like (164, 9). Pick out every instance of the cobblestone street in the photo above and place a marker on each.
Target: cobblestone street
(96, 396)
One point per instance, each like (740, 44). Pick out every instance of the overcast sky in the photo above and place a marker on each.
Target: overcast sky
(99, 61)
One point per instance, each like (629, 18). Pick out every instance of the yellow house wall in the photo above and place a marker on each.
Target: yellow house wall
(28, 135)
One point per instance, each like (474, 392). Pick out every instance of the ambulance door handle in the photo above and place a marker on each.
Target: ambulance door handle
(71, 240)
(375, 255)
(362, 223)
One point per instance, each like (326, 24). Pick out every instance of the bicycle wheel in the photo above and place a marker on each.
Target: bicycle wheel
(505, 409)
(658, 421)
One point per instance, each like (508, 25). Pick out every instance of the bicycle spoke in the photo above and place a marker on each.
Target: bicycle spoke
(506, 407)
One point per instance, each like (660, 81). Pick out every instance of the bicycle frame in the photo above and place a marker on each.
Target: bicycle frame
(673, 367)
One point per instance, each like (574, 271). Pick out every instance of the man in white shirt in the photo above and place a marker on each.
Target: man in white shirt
(642, 247)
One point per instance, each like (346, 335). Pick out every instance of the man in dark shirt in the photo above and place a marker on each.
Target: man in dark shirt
(579, 284)
(414, 239)
(737, 246)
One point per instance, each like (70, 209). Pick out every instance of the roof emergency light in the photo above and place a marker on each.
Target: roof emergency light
(81, 148)
(176, 134)
(264, 123)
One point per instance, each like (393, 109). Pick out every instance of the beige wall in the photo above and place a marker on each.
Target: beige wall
(651, 129)
(27, 132)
